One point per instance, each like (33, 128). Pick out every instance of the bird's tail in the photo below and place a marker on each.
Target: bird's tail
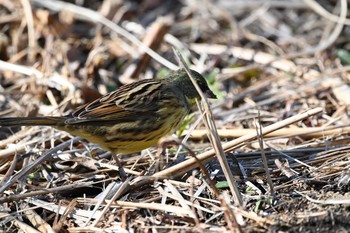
(31, 121)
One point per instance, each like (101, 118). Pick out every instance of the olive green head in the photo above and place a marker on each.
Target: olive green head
(181, 81)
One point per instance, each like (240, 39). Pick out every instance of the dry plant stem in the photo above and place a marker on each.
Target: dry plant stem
(56, 219)
(26, 70)
(100, 201)
(125, 185)
(213, 135)
(324, 13)
(68, 211)
(10, 171)
(285, 155)
(152, 206)
(87, 229)
(24, 227)
(93, 16)
(14, 139)
(204, 170)
(342, 201)
(220, 154)
(181, 168)
(264, 40)
(263, 156)
(26, 170)
(5, 166)
(247, 54)
(45, 191)
(306, 133)
(30, 26)
(113, 167)
(60, 208)
(192, 199)
(153, 40)
(262, 221)
(176, 195)
(37, 221)
(287, 171)
(215, 141)
(228, 214)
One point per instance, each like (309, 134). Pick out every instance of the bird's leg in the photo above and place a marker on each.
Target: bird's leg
(164, 143)
(122, 173)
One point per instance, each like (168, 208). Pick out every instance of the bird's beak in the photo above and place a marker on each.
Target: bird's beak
(209, 94)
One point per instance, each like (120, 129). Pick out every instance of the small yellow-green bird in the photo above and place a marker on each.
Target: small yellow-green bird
(131, 118)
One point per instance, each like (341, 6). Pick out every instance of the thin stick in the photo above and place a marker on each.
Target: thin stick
(22, 196)
(263, 156)
(315, 6)
(306, 133)
(214, 136)
(30, 27)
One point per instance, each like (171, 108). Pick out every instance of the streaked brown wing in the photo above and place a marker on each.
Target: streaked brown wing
(130, 102)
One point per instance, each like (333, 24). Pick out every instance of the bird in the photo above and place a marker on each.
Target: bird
(131, 118)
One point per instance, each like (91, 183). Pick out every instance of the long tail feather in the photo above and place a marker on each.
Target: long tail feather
(31, 121)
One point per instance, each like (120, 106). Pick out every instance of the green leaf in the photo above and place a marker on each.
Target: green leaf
(222, 185)
(343, 55)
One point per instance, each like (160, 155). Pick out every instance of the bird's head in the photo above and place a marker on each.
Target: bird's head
(181, 81)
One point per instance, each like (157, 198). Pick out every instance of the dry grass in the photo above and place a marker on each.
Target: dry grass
(280, 68)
